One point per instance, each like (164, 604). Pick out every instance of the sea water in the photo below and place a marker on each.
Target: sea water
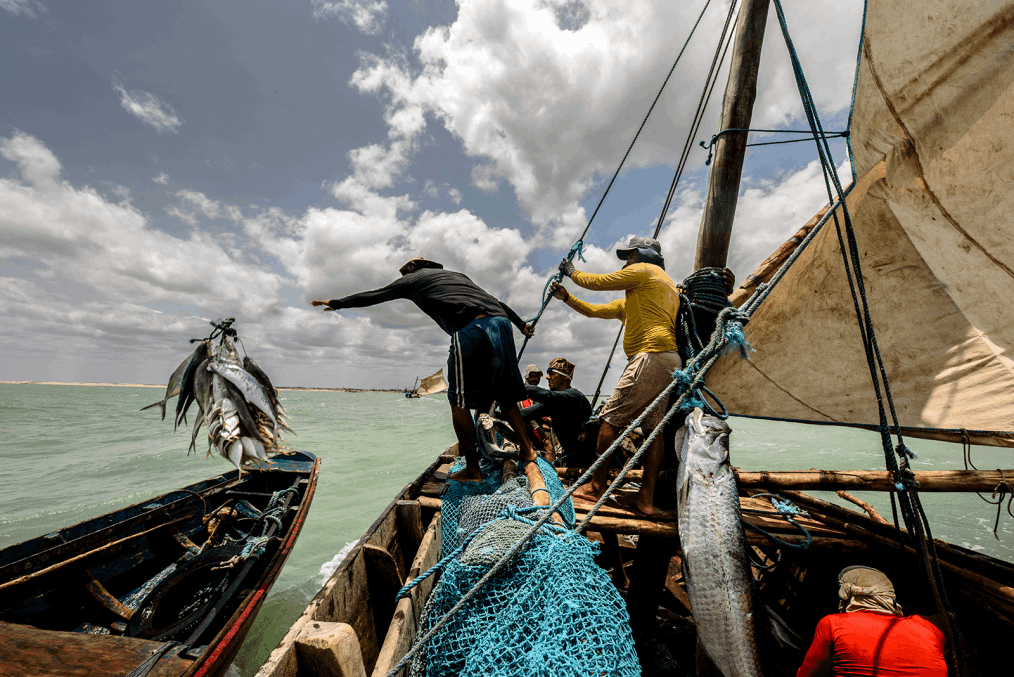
(74, 452)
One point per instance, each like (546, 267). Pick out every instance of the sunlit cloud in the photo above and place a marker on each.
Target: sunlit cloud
(148, 108)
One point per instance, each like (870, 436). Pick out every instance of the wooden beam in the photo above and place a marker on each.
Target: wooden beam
(849, 480)
(874, 480)
(737, 111)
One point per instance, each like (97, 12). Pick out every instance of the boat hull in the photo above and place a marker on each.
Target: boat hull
(68, 598)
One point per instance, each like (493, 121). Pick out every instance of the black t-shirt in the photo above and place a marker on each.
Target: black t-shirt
(450, 298)
(569, 410)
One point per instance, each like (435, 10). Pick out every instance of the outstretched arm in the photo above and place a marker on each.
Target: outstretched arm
(516, 320)
(606, 311)
(625, 278)
(396, 290)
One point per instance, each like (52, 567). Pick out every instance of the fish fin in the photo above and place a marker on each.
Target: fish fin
(160, 403)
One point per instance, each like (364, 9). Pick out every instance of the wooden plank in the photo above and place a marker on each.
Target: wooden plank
(329, 650)
(384, 581)
(26, 651)
(404, 624)
(537, 486)
(410, 531)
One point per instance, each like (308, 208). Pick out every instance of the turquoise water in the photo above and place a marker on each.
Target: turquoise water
(73, 452)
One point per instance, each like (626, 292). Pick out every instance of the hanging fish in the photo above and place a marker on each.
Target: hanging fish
(173, 389)
(239, 407)
(248, 386)
(187, 382)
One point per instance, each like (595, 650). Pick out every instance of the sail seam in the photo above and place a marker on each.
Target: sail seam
(922, 174)
(796, 399)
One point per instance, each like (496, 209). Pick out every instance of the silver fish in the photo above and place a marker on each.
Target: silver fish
(715, 561)
(248, 386)
(173, 389)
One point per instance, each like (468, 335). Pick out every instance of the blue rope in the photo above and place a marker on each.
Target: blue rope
(911, 507)
(710, 145)
(788, 510)
(855, 85)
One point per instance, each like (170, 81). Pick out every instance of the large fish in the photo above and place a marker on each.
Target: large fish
(187, 395)
(173, 389)
(715, 561)
(248, 386)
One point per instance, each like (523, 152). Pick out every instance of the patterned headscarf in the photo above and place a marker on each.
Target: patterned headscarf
(865, 589)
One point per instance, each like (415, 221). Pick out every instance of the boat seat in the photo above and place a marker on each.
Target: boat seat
(25, 650)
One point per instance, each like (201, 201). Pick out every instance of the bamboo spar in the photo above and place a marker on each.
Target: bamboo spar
(853, 480)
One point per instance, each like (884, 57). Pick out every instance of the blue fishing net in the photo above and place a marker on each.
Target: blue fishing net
(550, 611)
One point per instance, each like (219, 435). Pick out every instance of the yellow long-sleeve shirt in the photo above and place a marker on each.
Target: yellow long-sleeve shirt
(648, 309)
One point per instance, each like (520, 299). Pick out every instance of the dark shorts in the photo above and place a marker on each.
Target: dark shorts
(483, 367)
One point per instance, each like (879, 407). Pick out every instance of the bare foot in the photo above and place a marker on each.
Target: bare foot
(466, 474)
(528, 456)
(585, 492)
(645, 507)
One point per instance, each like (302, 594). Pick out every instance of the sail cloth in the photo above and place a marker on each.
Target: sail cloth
(434, 383)
(933, 208)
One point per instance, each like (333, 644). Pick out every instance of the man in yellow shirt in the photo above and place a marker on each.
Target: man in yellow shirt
(648, 313)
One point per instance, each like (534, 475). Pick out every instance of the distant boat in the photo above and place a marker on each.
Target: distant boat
(430, 385)
(169, 586)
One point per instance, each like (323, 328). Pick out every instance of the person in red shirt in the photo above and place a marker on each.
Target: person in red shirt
(871, 636)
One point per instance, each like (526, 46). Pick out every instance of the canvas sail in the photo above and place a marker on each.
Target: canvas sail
(434, 383)
(933, 137)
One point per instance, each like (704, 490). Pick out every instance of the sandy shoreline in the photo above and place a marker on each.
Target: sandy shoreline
(154, 385)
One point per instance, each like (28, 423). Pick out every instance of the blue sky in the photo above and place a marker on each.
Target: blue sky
(162, 164)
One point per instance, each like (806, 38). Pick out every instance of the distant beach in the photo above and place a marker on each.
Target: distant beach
(156, 385)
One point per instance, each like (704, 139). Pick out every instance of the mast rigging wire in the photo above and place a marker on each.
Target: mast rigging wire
(576, 249)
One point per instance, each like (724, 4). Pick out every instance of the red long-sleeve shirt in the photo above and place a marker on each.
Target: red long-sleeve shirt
(868, 643)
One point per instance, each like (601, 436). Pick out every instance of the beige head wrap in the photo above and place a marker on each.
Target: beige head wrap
(865, 589)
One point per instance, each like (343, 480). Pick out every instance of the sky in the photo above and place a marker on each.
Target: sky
(166, 164)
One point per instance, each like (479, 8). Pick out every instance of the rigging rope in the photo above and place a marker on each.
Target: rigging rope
(577, 245)
(710, 145)
(896, 457)
(728, 334)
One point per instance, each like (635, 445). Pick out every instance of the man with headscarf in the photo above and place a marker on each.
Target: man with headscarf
(648, 312)
(871, 636)
(482, 367)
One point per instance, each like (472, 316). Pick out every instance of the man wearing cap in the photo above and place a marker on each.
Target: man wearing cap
(648, 313)
(870, 636)
(482, 367)
(567, 406)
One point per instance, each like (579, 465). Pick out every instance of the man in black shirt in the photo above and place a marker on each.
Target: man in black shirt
(567, 407)
(482, 367)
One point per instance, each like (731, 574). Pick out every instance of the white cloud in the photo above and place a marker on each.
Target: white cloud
(547, 98)
(162, 178)
(148, 108)
(366, 15)
(75, 237)
(30, 8)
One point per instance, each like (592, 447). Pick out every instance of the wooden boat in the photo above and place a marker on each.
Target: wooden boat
(929, 204)
(163, 587)
(428, 385)
(354, 627)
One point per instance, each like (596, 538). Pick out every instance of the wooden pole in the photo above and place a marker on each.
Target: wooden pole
(737, 111)
(852, 480)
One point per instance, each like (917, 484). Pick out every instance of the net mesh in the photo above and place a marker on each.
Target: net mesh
(550, 611)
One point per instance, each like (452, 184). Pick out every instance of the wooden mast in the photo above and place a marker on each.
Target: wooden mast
(654, 552)
(737, 110)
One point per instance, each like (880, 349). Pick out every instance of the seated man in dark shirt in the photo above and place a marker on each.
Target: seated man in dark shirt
(482, 366)
(569, 410)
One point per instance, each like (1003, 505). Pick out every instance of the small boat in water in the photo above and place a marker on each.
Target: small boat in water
(169, 586)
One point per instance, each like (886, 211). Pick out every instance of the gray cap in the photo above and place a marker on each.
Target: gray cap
(639, 243)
